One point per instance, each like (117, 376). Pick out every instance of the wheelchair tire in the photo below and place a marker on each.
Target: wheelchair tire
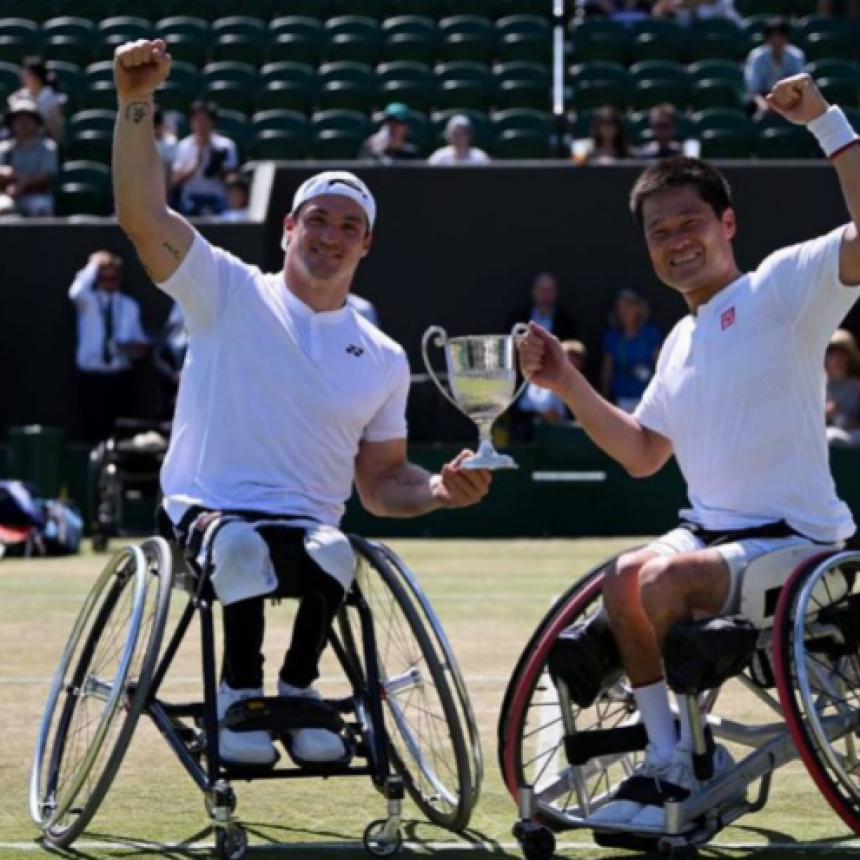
(109, 659)
(817, 667)
(432, 734)
(531, 735)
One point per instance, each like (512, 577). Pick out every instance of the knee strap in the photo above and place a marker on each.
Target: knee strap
(241, 564)
(332, 552)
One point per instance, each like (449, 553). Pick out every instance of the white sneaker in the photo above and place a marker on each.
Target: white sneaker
(243, 747)
(624, 811)
(680, 774)
(315, 746)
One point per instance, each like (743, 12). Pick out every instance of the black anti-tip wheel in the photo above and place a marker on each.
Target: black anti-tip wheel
(538, 843)
(231, 842)
(381, 847)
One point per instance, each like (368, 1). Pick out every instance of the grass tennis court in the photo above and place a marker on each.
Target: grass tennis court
(489, 594)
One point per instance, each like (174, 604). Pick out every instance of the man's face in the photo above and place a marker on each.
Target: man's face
(329, 237)
(777, 41)
(201, 123)
(690, 247)
(662, 127)
(545, 292)
(459, 137)
(24, 126)
(109, 277)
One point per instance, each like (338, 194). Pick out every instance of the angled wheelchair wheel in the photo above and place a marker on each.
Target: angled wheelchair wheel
(531, 730)
(99, 690)
(817, 667)
(432, 734)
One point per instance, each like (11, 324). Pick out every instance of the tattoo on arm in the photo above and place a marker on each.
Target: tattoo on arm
(136, 112)
(174, 252)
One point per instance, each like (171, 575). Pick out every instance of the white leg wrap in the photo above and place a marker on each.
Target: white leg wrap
(242, 566)
(332, 551)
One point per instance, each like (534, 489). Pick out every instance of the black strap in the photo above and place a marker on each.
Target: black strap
(774, 530)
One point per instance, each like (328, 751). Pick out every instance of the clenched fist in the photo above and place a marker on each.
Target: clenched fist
(798, 99)
(140, 67)
(542, 359)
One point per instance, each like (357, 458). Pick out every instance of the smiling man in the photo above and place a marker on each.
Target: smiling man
(287, 397)
(738, 398)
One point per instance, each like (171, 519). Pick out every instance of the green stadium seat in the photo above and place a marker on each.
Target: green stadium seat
(234, 124)
(188, 49)
(100, 95)
(523, 84)
(413, 84)
(600, 41)
(786, 141)
(152, 10)
(90, 136)
(32, 10)
(288, 86)
(94, 10)
(347, 86)
(19, 38)
(188, 39)
(353, 38)
(410, 37)
(69, 39)
(482, 128)
(67, 25)
(525, 7)
(717, 39)
(718, 143)
(87, 172)
(240, 39)
(821, 46)
(482, 8)
(722, 119)
(716, 93)
(279, 145)
(71, 79)
(639, 126)
(835, 68)
(10, 79)
(244, 25)
(524, 37)
(180, 89)
(599, 83)
(466, 37)
(296, 39)
(842, 91)
(319, 9)
(241, 73)
(716, 69)
(100, 71)
(419, 129)
(853, 115)
(434, 9)
(464, 85)
(113, 32)
(376, 9)
(80, 198)
(91, 120)
(209, 10)
(282, 120)
(658, 40)
(230, 85)
(522, 134)
(337, 135)
(656, 82)
(753, 27)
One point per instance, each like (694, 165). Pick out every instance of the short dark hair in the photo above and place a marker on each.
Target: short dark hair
(200, 106)
(680, 172)
(775, 26)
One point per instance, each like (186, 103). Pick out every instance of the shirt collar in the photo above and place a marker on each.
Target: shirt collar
(305, 312)
(715, 303)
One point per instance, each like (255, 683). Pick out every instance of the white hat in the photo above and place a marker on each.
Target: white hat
(339, 182)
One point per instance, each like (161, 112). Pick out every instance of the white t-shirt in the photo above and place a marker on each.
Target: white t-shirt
(274, 398)
(447, 155)
(187, 155)
(739, 391)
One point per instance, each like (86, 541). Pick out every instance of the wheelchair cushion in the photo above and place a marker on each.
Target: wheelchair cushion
(702, 655)
(586, 658)
(281, 713)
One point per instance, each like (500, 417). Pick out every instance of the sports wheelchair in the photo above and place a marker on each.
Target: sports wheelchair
(408, 719)
(570, 731)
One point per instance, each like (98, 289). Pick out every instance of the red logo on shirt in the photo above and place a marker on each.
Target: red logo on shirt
(727, 319)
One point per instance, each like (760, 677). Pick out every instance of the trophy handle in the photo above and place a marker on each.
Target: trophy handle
(439, 337)
(517, 332)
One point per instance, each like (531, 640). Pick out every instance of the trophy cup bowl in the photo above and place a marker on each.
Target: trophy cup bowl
(482, 373)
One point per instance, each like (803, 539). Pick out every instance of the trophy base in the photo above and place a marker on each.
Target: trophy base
(491, 462)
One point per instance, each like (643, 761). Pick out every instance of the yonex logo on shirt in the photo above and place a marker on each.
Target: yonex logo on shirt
(727, 319)
(355, 350)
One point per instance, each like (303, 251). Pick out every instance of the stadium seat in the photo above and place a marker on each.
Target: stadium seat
(853, 115)
(100, 71)
(240, 39)
(180, 89)
(753, 27)
(720, 118)
(122, 28)
(69, 39)
(320, 9)
(523, 84)
(639, 126)
(370, 8)
(279, 144)
(433, 9)
(413, 84)
(10, 79)
(152, 10)
(282, 120)
(347, 86)
(92, 120)
(482, 129)
(525, 7)
(524, 37)
(87, 172)
(188, 39)
(482, 8)
(601, 41)
(288, 86)
(716, 93)
(209, 10)
(464, 85)
(230, 85)
(466, 37)
(234, 124)
(80, 198)
(725, 143)
(100, 95)
(19, 38)
(353, 38)
(70, 77)
(94, 10)
(241, 73)
(658, 39)
(597, 83)
(296, 39)
(836, 68)
(32, 10)
(716, 39)
(90, 136)
(522, 133)
(410, 37)
(711, 69)
(839, 90)
(337, 135)
(419, 129)
(820, 46)
(786, 141)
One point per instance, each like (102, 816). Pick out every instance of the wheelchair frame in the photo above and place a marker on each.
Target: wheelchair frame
(396, 762)
(568, 777)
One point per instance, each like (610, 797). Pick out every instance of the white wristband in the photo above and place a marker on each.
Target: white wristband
(833, 131)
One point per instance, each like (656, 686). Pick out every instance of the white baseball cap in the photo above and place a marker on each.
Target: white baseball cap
(339, 182)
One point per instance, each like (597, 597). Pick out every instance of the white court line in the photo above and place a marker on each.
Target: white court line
(191, 679)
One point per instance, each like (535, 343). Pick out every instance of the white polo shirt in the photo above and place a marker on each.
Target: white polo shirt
(275, 398)
(739, 391)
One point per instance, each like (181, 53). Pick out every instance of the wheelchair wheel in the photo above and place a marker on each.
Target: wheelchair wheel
(99, 690)
(817, 667)
(433, 738)
(531, 730)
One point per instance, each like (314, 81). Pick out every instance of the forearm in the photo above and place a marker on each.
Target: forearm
(38, 183)
(404, 491)
(847, 165)
(84, 280)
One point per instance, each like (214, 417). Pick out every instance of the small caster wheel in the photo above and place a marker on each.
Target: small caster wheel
(231, 842)
(225, 798)
(538, 843)
(379, 845)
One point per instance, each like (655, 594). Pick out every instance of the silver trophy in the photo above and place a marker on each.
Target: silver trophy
(482, 373)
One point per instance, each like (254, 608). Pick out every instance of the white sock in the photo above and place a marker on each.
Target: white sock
(653, 702)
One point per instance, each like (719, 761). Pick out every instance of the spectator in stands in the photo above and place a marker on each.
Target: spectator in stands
(617, 10)
(238, 197)
(203, 160)
(831, 8)
(28, 164)
(544, 308)
(541, 404)
(169, 357)
(40, 85)
(771, 62)
(842, 410)
(165, 143)
(687, 11)
(663, 138)
(459, 134)
(391, 143)
(110, 338)
(363, 308)
(630, 348)
(607, 142)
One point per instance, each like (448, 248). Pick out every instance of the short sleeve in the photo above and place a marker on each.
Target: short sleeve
(390, 421)
(651, 410)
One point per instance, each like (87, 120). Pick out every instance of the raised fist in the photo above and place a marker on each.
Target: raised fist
(798, 99)
(140, 67)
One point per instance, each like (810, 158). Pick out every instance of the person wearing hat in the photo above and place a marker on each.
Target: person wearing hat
(391, 142)
(459, 134)
(28, 163)
(287, 398)
(842, 406)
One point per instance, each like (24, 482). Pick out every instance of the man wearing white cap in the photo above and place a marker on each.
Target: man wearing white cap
(286, 399)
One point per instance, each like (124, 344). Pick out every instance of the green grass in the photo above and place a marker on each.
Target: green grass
(489, 594)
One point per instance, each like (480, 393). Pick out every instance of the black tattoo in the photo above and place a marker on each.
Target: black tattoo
(137, 111)
(171, 250)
